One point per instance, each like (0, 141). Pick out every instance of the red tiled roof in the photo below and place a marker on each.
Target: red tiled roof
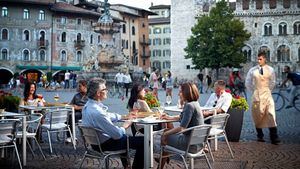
(153, 21)
(65, 7)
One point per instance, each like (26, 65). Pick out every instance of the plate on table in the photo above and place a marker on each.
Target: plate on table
(148, 119)
(146, 114)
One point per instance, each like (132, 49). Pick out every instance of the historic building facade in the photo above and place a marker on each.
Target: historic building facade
(159, 37)
(273, 24)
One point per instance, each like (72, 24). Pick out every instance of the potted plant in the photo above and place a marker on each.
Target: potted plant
(9, 102)
(235, 122)
(151, 100)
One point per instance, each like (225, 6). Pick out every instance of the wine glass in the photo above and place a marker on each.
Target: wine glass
(56, 97)
(136, 107)
(161, 110)
(168, 99)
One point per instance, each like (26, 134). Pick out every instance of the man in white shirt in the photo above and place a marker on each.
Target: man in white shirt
(220, 100)
(67, 80)
(119, 83)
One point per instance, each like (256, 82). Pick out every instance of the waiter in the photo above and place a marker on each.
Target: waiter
(260, 81)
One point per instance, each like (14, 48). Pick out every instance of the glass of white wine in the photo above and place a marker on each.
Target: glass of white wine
(56, 97)
(136, 107)
(168, 100)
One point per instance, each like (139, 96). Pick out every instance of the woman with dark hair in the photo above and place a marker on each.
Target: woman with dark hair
(190, 116)
(30, 96)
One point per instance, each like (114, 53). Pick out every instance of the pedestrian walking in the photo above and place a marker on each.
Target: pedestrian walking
(200, 82)
(119, 83)
(127, 80)
(260, 81)
(209, 83)
(67, 80)
(169, 84)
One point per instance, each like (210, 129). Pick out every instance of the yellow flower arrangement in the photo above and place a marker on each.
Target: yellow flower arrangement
(151, 100)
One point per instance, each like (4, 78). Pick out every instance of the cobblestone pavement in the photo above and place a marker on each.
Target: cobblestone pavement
(248, 153)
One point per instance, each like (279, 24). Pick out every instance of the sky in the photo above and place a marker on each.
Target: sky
(145, 4)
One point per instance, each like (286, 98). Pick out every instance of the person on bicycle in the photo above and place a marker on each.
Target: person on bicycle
(295, 79)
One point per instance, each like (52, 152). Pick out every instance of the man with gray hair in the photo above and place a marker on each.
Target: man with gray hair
(114, 138)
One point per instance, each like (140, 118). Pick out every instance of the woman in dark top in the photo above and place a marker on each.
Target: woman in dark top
(190, 116)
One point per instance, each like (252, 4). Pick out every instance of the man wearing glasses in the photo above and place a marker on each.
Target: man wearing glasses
(114, 138)
(220, 100)
(260, 81)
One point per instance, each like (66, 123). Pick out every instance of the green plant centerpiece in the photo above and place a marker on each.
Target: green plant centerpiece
(151, 100)
(239, 103)
(9, 102)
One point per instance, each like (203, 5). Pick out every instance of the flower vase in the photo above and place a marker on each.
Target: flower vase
(234, 124)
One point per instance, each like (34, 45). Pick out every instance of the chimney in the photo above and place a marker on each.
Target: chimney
(151, 3)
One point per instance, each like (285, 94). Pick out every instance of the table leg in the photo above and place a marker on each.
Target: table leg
(148, 146)
(24, 140)
(73, 128)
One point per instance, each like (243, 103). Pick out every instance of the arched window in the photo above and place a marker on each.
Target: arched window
(4, 12)
(78, 56)
(133, 30)
(286, 3)
(283, 53)
(124, 28)
(25, 14)
(26, 36)
(297, 28)
(4, 34)
(282, 28)
(42, 36)
(26, 55)
(63, 56)
(99, 38)
(268, 29)
(247, 53)
(42, 55)
(78, 37)
(266, 50)
(91, 39)
(42, 15)
(63, 37)
(4, 54)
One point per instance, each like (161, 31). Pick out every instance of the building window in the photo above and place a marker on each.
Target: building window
(149, 30)
(167, 30)
(4, 54)
(133, 47)
(99, 39)
(299, 51)
(156, 52)
(64, 37)
(247, 53)
(156, 41)
(157, 31)
(167, 65)
(26, 35)
(167, 52)
(266, 50)
(206, 7)
(143, 25)
(286, 4)
(167, 41)
(42, 55)
(268, 29)
(259, 4)
(283, 54)
(42, 15)
(4, 34)
(26, 56)
(272, 4)
(123, 43)
(297, 28)
(78, 56)
(126, 44)
(124, 28)
(78, 38)
(245, 4)
(157, 64)
(78, 21)
(133, 30)
(149, 41)
(91, 39)
(42, 36)
(298, 5)
(188, 66)
(63, 20)
(63, 56)
(282, 28)
(25, 14)
(4, 12)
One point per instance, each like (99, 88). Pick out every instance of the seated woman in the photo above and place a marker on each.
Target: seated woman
(30, 96)
(190, 116)
(137, 96)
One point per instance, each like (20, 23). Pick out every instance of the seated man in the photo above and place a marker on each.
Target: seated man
(78, 102)
(221, 100)
(114, 138)
(295, 79)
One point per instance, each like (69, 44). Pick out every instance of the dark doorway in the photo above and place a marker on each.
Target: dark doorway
(5, 76)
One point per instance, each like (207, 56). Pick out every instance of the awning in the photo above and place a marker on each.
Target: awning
(32, 67)
(74, 68)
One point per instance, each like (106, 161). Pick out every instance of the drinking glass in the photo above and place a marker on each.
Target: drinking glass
(168, 100)
(136, 107)
(56, 97)
(161, 110)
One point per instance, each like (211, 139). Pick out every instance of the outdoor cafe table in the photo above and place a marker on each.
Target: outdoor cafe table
(148, 139)
(10, 114)
(56, 106)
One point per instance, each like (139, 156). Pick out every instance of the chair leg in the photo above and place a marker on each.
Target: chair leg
(207, 161)
(216, 142)
(30, 147)
(192, 163)
(16, 149)
(228, 145)
(210, 151)
(39, 148)
(82, 160)
(160, 158)
(49, 138)
(185, 164)
(72, 138)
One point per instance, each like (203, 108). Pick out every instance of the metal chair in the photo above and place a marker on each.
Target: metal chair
(218, 123)
(7, 135)
(56, 121)
(33, 123)
(91, 137)
(195, 148)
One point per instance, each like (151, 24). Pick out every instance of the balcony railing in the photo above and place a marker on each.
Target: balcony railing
(79, 44)
(43, 44)
(144, 42)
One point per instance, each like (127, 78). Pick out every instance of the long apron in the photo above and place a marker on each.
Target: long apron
(263, 108)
